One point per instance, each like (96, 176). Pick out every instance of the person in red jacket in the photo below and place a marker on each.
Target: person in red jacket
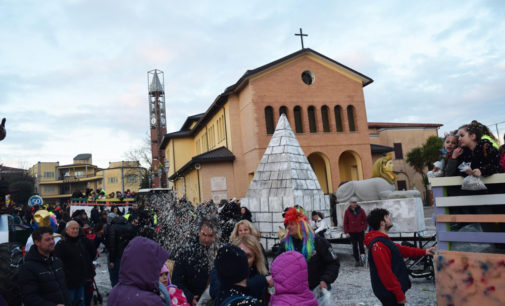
(388, 272)
(354, 228)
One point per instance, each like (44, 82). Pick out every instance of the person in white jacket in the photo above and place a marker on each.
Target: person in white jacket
(318, 224)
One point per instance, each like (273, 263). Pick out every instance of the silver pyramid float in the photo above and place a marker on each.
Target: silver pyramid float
(283, 178)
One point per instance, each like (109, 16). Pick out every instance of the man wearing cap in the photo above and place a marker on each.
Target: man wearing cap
(354, 228)
(323, 264)
(232, 270)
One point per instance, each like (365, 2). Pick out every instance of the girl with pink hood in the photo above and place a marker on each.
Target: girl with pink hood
(177, 296)
(290, 276)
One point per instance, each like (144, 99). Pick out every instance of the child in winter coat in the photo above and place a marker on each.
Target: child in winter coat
(177, 296)
(290, 275)
(139, 274)
(318, 224)
(450, 143)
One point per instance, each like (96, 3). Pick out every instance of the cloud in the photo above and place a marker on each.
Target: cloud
(73, 78)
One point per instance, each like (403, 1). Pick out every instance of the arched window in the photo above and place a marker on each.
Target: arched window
(312, 119)
(298, 119)
(269, 119)
(338, 118)
(283, 110)
(324, 117)
(350, 118)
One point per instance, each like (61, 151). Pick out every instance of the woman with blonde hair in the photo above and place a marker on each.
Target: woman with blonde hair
(257, 260)
(258, 281)
(243, 227)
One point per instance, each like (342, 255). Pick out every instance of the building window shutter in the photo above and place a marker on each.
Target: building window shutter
(350, 118)
(312, 119)
(324, 117)
(398, 150)
(269, 119)
(298, 119)
(338, 118)
(402, 185)
(283, 110)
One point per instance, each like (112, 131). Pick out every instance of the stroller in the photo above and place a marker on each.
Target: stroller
(92, 294)
(97, 297)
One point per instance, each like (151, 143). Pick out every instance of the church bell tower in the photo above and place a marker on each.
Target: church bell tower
(158, 124)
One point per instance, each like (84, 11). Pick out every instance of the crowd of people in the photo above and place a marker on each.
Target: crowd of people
(212, 255)
(63, 247)
(210, 270)
(91, 195)
(67, 245)
(234, 270)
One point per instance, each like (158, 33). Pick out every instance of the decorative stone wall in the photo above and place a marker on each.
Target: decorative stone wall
(284, 178)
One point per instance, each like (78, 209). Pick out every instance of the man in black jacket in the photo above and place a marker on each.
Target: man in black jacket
(77, 253)
(119, 235)
(95, 215)
(42, 278)
(191, 269)
(322, 263)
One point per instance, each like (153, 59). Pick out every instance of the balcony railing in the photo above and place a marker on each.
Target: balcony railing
(74, 178)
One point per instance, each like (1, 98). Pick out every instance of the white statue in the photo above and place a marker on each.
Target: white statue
(379, 187)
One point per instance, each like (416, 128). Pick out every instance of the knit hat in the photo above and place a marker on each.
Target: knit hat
(231, 264)
(164, 269)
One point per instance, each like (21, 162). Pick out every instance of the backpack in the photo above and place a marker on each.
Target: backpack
(232, 299)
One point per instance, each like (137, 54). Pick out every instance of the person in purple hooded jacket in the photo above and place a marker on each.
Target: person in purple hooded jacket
(291, 282)
(139, 274)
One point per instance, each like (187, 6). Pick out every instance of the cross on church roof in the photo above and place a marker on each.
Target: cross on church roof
(301, 36)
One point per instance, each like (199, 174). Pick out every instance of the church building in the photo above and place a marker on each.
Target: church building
(215, 154)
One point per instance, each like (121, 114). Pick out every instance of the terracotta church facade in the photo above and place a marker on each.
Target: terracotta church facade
(215, 154)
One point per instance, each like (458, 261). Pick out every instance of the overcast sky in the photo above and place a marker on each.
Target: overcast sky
(73, 74)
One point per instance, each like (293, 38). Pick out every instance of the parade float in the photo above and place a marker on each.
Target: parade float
(470, 260)
(405, 206)
(284, 177)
